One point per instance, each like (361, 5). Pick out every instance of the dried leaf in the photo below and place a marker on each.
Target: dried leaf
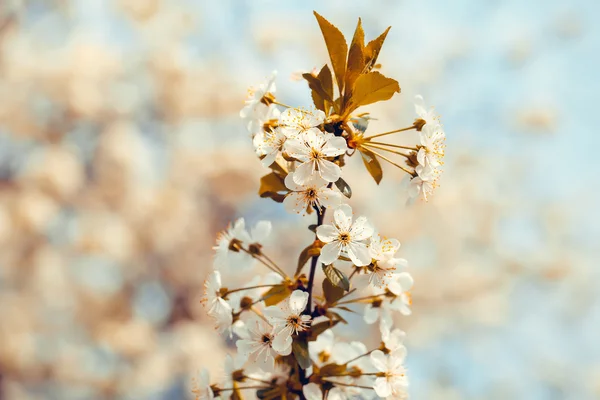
(337, 48)
(235, 395)
(371, 88)
(275, 295)
(326, 81)
(356, 61)
(318, 100)
(332, 292)
(309, 252)
(372, 164)
(300, 349)
(336, 277)
(271, 185)
(343, 187)
(373, 48)
(346, 309)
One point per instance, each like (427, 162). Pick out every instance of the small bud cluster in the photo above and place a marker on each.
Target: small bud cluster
(282, 325)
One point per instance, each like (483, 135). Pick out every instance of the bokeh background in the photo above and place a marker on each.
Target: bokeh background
(122, 155)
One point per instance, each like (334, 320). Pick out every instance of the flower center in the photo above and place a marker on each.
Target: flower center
(344, 237)
(311, 194)
(315, 154)
(266, 338)
(296, 323)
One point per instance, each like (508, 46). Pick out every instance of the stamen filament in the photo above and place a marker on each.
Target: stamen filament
(394, 145)
(393, 163)
(247, 288)
(361, 356)
(384, 149)
(390, 132)
(356, 300)
(281, 104)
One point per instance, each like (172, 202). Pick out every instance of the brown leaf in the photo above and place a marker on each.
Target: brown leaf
(373, 48)
(309, 252)
(337, 48)
(300, 349)
(343, 186)
(332, 369)
(336, 277)
(319, 328)
(319, 94)
(356, 61)
(275, 295)
(372, 164)
(332, 293)
(371, 88)
(271, 185)
(326, 81)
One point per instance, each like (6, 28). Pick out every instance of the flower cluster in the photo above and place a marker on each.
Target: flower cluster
(281, 325)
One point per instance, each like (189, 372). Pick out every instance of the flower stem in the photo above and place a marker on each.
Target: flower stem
(260, 314)
(356, 300)
(390, 132)
(374, 146)
(257, 380)
(281, 104)
(349, 293)
(264, 262)
(313, 262)
(349, 384)
(393, 163)
(361, 356)
(245, 387)
(394, 145)
(247, 288)
(273, 263)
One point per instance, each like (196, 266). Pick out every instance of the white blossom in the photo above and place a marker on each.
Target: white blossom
(400, 284)
(384, 262)
(256, 344)
(345, 237)
(226, 249)
(431, 119)
(256, 107)
(269, 143)
(392, 339)
(218, 308)
(314, 193)
(394, 383)
(431, 151)
(312, 149)
(202, 389)
(423, 184)
(288, 320)
(265, 116)
(294, 121)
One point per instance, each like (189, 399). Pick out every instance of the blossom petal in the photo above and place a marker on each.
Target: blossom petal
(335, 147)
(275, 315)
(371, 314)
(261, 231)
(294, 203)
(379, 360)
(290, 184)
(361, 229)
(329, 171)
(298, 301)
(303, 173)
(329, 198)
(312, 392)
(330, 252)
(326, 233)
(382, 387)
(282, 341)
(343, 217)
(359, 254)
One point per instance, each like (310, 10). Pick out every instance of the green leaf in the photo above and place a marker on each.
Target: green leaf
(336, 277)
(343, 187)
(271, 185)
(372, 164)
(373, 48)
(356, 61)
(309, 252)
(337, 48)
(275, 295)
(371, 88)
(300, 350)
(332, 292)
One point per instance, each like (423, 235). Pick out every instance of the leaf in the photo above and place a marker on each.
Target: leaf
(332, 369)
(313, 228)
(337, 48)
(336, 277)
(346, 309)
(309, 252)
(319, 328)
(300, 349)
(373, 48)
(356, 61)
(275, 295)
(326, 81)
(319, 94)
(372, 164)
(332, 293)
(343, 187)
(271, 185)
(371, 88)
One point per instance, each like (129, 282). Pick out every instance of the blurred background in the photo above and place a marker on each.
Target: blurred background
(122, 155)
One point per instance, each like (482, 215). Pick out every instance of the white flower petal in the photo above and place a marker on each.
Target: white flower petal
(312, 392)
(359, 254)
(327, 233)
(304, 173)
(371, 314)
(290, 184)
(343, 217)
(382, 387)
(379, 360)
(330, 252)
(298, 301)
(261, 231)
(329, 171)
